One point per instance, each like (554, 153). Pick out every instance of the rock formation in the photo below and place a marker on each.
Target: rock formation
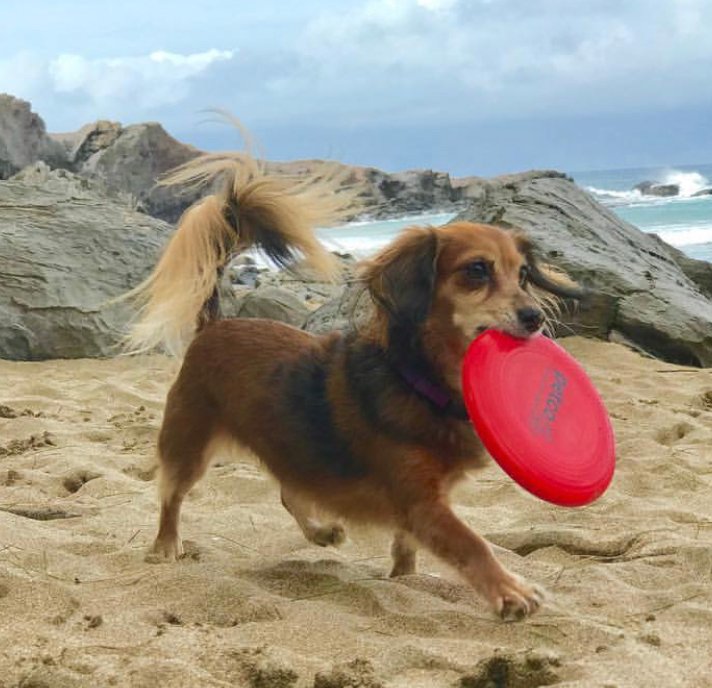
(66, 248)
(23, 138)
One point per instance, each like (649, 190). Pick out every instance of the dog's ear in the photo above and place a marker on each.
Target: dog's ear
(401, 279)
(546, 277)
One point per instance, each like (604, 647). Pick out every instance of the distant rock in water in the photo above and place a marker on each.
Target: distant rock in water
(66, 248)
(702, 192)
(642, 290)
(657, 189)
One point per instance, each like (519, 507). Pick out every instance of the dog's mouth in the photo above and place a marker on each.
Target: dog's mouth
(513, 329)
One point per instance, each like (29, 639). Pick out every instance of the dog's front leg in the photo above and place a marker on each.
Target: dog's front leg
(435, 525)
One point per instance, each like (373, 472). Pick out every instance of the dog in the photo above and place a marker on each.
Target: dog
(367, 425)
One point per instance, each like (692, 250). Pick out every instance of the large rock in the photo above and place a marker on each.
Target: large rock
(349, 309)
(417, 190)
(381, 194)
(23, 138)
(272, 303)
(83, 145)
(129, 160)
(642, 290)
(65, 249)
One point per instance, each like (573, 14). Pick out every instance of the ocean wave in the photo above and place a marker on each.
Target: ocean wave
(434, 218)
(358, 246)
(620, 196)
(689, 184)
(684, 235)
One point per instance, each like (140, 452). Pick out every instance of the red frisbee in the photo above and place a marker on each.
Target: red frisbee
(539, 416)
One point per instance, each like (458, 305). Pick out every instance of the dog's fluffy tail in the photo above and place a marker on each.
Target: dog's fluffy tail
(275, 214)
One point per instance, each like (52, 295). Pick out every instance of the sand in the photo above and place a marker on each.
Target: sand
(253, 604)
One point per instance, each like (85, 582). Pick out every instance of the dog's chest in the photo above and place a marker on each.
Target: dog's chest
(456, 444)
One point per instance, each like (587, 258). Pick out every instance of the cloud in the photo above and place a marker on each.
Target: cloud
(113, 86)
(390, 62)
(160, 78)
(489, 58)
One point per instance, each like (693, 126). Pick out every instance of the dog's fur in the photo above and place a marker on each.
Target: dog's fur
(336, 418)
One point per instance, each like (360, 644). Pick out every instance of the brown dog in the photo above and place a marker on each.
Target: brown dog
(369, 425)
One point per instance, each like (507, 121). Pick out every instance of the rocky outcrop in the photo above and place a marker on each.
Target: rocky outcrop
(641, 289)
(702, 192)
(93, 138)
(23, 138)
(66, 248)
(381, 194)
(129, 160)
(418, 190)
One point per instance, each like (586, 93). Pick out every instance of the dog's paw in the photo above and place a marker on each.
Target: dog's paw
(165, 550)
(514, 599)
(332, 534)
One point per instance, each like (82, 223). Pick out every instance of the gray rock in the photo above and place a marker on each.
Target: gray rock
(702, 192)
(131, 161)
(640, 287)
(272, 303)
(65, 250)
(90, 140)
(656, 189)
(350, 309)
(23, 138)
(243, 271)
(417, 190)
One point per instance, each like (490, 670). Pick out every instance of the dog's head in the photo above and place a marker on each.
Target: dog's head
(454, 282)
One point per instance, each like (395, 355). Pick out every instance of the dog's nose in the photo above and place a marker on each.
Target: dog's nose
(532, 318)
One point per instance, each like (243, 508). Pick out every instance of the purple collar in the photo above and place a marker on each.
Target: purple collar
(433, 392)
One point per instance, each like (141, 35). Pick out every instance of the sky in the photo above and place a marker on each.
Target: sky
(465, 86)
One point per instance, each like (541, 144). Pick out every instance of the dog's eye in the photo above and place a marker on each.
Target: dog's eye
(523, 275)
(478, 271)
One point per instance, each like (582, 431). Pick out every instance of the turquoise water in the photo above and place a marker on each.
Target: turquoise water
(363, 238)
(683, 221)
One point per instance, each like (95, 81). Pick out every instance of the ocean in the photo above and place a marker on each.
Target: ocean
(684, 221)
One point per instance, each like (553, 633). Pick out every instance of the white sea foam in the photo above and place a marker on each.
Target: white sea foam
(357, 246)
(689, 182)
(685, 235)
(432, 218)
(616, 196)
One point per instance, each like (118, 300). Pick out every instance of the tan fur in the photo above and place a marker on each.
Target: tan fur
(171, 299)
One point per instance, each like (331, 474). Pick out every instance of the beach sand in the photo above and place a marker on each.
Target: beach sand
(253, 604)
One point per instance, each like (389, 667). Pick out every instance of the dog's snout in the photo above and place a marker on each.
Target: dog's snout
(531, 318)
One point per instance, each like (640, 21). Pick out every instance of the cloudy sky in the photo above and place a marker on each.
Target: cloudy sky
(467, 86)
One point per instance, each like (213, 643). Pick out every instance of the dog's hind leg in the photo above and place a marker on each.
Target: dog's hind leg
(403, 551)
(305, 515)
(184, 450)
